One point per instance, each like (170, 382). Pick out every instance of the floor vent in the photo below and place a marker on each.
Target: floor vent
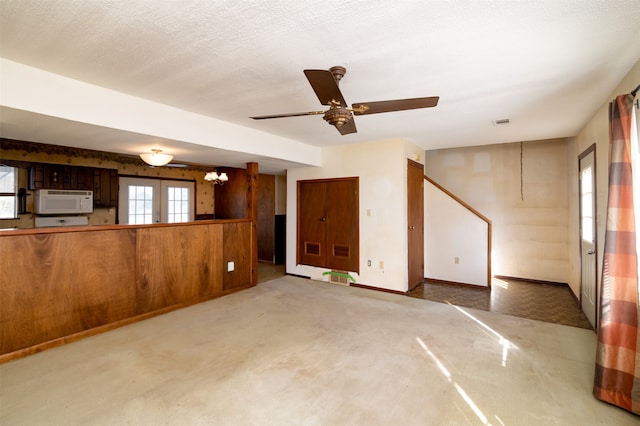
(338, 277)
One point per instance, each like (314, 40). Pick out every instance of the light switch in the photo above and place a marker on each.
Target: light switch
(230, 266)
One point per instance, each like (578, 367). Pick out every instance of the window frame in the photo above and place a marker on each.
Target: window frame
(13, 194)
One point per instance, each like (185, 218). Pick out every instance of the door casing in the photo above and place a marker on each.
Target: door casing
(415, 220)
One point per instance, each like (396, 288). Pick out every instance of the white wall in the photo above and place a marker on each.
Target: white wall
(527, 201)
(382, 171)
(452, 231)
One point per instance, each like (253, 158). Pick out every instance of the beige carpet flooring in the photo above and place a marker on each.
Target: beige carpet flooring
(293, 351)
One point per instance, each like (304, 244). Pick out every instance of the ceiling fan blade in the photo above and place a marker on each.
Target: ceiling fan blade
(395, 105)
(348, 127)
(325, 86)
(294, 114)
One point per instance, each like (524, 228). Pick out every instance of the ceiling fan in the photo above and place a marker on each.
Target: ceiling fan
(325, 84)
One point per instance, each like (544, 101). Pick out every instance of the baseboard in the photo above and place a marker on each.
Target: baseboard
(385, 290)
(529, 280)
(466, 285)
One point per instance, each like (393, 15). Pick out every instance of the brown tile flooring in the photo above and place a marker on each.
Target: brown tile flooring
(268, 271)
(525, 299)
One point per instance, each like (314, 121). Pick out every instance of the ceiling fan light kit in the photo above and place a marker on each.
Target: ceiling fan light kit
(156, 158)
(325, 85)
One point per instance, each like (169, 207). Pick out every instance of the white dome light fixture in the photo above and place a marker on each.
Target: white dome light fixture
(215, 178)
(156, 158)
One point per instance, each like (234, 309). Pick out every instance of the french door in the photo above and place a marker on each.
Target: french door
(143, 201)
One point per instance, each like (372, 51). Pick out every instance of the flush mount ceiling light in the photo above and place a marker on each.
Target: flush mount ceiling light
(215, 178)
(156, 158)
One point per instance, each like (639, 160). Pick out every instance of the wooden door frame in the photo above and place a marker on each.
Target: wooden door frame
(356, 207)
(411, 163)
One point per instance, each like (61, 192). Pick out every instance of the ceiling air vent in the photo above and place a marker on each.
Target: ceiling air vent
(501, 121)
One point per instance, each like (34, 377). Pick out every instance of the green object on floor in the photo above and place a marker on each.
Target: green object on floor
(340, 274)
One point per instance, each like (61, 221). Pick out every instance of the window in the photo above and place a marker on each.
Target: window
(8, 190)
(586, 198)
(145, 201)
(177, 204)
(140, 204)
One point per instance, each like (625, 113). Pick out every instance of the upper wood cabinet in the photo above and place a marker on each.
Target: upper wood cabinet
(60, 176)
(105, 187)
(328, 226)
(103, 182)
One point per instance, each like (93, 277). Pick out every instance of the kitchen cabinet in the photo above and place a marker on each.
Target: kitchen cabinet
(105, 187)
(60, 176)
(103, 182)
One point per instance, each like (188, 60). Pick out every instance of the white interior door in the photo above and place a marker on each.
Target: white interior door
(144, 201)
(589, 258)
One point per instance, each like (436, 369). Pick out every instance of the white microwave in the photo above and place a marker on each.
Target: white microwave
(63, 201)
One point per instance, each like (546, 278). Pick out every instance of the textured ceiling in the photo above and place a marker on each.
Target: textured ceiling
(545, 64)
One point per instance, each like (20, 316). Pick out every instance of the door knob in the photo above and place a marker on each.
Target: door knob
(324, 219)
(591, 251)
(412, 227)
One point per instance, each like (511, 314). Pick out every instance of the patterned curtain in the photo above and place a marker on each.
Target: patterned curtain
(617, 375)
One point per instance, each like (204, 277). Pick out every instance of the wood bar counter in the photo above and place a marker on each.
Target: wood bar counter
(61, 284)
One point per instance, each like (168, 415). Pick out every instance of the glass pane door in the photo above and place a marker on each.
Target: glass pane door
(144, 201)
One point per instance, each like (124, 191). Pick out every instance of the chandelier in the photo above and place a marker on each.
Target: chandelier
(217, 179)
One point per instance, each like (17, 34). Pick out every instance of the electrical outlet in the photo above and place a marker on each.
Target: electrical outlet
(230, 266)
(456, 260)
(381, 264)
(369, 262)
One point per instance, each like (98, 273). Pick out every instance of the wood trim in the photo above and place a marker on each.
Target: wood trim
(384, 290)
(458, 284)
(529, 280)
(252, 214)
(89, 228)
(478, 214)
(458, 200)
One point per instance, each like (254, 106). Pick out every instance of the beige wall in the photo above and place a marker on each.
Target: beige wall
(382, 171)
(596, 131)
(526, 201)
(101, 216)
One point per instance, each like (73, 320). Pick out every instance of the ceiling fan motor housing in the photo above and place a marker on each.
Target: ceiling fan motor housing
(337, 116)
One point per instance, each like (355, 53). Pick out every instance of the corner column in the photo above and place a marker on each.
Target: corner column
(252, 213)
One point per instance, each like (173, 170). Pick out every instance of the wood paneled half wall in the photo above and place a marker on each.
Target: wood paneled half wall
(59, 285)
